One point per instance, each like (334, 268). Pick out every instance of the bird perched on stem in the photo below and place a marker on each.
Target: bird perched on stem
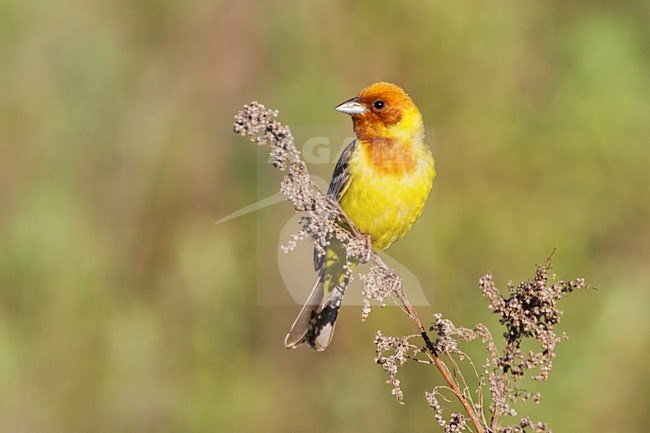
(381, 181)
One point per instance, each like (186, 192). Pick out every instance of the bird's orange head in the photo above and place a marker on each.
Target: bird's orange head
(383, 111)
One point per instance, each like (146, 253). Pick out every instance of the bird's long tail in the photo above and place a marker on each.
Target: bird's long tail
(317, 319)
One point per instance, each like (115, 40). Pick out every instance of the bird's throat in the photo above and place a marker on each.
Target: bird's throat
(389, 155)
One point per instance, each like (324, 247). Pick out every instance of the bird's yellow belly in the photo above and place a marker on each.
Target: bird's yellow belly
(385, 207)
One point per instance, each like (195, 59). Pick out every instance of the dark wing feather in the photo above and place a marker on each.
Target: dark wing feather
(338, 185)
(341, 175)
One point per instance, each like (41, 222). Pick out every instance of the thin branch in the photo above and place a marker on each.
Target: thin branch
(440, 365)
(398, 291)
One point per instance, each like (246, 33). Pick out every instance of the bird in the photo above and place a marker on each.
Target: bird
(381, 181)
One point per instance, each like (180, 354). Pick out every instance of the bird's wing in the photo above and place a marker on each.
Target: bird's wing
(341, 176)
(338, 186)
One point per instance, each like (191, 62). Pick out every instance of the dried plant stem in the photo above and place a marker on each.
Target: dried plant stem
(495, 419)
(440, 365)
(398, 291)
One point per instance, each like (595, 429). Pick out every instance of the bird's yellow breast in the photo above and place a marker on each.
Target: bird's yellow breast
(388, 188)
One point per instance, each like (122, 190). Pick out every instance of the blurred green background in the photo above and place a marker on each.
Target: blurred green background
(124, 308)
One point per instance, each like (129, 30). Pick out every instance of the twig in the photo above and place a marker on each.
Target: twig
(440, 365)
(495, 417)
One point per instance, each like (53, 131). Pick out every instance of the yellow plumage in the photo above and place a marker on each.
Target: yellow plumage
(382, 182)
(384, 204)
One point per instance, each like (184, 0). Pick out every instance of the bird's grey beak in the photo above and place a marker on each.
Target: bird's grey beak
(351, 106)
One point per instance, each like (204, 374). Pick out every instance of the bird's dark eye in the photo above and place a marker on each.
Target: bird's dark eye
(379, 104)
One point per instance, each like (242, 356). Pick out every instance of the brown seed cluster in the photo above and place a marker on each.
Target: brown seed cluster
(529, 312)
(319, 213)
(392, 353)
